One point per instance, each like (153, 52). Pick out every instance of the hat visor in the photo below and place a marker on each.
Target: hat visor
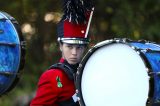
(74, 40)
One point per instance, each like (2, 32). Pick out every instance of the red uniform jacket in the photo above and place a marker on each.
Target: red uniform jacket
(49, 93)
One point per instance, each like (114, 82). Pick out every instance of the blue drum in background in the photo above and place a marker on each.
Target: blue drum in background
(12, 52)
(120, 72)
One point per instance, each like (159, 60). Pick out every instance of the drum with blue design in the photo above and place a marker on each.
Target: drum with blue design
(12, 52)
(120, 72)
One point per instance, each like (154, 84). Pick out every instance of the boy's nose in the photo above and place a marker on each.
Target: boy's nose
(74, 51)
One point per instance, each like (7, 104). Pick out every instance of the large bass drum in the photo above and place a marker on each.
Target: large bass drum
(120, 72)
(12, 52)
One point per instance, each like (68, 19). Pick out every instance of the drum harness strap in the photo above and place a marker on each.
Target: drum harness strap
(71, 75)
(68, 70)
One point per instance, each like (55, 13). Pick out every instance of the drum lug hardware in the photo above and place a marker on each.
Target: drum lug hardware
(77, 73)
(80, 66)
(23, 44)
(138, 52)
(143, 50)
(149, 101)
(127, 40)
(142, 41)
(90, 51)
(148, 50)
(148, 71)
(117, 41)
(133, 47)
(78, 98)
(77, 93)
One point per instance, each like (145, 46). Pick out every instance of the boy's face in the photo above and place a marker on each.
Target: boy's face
(72, 53)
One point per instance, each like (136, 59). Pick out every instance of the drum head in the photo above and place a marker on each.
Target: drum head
(114, 75)
(11, 52)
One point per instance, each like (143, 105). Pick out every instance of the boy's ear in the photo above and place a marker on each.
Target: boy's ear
(60, 47)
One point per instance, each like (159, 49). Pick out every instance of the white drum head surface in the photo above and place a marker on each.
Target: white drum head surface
(115, 75)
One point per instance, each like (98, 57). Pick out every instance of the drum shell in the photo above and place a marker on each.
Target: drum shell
(150, 52)
(144, 49)
(12, 52)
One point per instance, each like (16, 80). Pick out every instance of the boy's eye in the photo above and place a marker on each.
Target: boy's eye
(75, 46)
(79, 47)
(69, 46)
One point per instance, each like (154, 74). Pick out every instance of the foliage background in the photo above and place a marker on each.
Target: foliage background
(134, 19)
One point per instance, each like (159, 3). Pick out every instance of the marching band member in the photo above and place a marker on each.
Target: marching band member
(56, 85)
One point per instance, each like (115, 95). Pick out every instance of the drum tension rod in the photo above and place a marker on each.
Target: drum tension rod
(154, 73)
(7, 44)
(7, 73)
(1, 31)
